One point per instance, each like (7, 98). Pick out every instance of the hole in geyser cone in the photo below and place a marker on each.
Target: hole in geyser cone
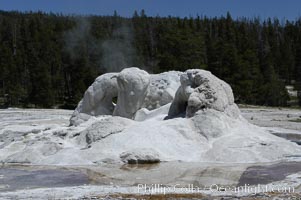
(114, 100)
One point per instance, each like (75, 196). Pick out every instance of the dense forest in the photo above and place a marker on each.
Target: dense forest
(49, 60)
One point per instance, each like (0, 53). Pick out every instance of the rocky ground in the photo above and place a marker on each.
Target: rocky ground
(288, 118)
(283, 122)
(121, 181)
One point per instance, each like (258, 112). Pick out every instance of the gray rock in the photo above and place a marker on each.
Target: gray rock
(102, 128)
(209, 123)
(98, 99)
(51, 148)
(135, 89)
(201, 90)
(140, 156)
(77, 118)
(162, 89)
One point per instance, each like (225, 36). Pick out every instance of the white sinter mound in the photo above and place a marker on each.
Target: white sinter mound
(188, 116)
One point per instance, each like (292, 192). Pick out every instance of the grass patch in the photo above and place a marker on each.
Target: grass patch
(197, 196)
(157, 196)
(247, 106)
(295, 120)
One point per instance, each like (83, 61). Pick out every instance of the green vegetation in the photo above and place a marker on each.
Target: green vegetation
(50, 59)
(295, 120)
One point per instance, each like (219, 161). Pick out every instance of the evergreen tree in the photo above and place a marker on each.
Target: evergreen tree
(50, 59)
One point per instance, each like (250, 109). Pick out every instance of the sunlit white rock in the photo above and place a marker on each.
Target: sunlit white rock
(132, 88)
